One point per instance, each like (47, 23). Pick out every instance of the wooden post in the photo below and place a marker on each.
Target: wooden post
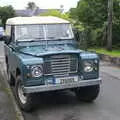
(109, 30)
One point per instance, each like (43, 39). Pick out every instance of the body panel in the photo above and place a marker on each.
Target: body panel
(43, 88)
(54, 55)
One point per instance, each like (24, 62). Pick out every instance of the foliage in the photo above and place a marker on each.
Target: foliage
(89, 12)
(31, 5)
(116, 24)
(114, 52)
(5, 13)
(73, 13)
(56, 13)
(93, 14)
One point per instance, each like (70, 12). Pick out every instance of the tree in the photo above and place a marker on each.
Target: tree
(93, 14)
(116, 24)
(31, 6)
(5, 13)
(73, 13)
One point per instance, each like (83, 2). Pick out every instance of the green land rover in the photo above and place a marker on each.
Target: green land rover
(42, 56)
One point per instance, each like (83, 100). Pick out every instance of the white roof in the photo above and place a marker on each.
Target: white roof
(35, 20)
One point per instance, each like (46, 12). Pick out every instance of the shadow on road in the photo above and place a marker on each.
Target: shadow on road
(55, 99)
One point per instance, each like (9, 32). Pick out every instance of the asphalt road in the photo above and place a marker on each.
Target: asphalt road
(65, 106)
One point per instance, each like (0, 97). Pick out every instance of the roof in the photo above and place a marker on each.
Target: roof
(35, 20)
(29, 12)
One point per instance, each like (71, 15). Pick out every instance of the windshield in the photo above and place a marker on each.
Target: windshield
(43, 32)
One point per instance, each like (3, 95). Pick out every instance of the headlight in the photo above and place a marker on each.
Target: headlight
(90, 65)
(36, 71)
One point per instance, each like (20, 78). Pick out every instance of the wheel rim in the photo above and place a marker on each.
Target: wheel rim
(21, 94)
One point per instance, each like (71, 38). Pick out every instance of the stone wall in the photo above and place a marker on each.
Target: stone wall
(113, 60)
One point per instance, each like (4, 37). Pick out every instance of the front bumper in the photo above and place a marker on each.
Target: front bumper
(43, 88)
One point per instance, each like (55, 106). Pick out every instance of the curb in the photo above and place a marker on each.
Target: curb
(113, 60)
(19, 115)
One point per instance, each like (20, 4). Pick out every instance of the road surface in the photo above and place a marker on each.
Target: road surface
(65, 106)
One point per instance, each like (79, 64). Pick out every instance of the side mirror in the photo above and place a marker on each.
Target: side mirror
(6, 39)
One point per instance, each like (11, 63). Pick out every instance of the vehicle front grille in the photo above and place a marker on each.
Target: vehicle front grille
(61, 65)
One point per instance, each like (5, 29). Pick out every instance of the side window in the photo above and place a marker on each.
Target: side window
(8, 30)
(12, 33)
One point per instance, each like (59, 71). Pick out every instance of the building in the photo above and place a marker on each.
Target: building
(29, 12)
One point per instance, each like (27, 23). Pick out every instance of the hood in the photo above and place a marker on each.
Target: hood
(42, 50)
(34, 55)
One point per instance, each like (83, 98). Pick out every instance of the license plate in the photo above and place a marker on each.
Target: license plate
(66, 80)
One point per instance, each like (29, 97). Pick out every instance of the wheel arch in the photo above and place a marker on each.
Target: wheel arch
(6, 59)
(18, 71)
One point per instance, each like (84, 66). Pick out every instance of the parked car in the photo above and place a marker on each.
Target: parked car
(42, 55)
(1, 31)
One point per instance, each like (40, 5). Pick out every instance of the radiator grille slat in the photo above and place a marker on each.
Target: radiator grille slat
(61, 65)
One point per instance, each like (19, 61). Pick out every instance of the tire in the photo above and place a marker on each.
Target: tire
(10, 78)
(88, 94)
(25, 101)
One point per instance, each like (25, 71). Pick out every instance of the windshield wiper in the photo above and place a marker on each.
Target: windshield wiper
(39, 38)
(29, 40)
(35, 40)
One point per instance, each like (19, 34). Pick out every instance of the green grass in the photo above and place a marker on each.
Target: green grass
(114, 53)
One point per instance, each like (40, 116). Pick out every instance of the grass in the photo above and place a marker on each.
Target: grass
(113, 53)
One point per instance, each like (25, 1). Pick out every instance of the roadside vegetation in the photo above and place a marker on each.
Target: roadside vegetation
(93, 14)
(5, 13)
(113, 53)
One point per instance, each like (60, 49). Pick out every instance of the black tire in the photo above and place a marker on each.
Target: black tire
(10, 78)
(88, 94)
(26, 106)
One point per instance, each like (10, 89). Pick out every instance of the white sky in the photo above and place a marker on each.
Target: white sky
(21, 4)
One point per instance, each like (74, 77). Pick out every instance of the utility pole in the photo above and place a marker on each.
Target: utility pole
(109, 30)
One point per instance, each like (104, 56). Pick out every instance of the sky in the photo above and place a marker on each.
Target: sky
(21, 4)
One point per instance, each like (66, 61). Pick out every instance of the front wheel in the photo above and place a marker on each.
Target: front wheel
(24, 100)
(88, 94)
